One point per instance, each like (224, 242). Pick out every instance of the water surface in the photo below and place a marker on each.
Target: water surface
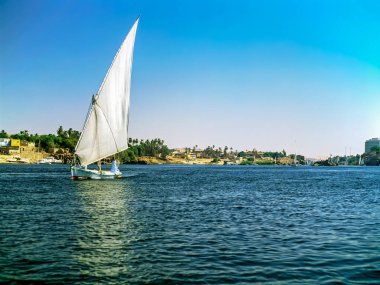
(191, 225)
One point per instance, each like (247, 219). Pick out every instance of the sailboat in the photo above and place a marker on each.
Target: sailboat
(294, 162)
(105, 131)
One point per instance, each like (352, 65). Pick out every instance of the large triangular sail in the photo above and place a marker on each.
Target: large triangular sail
(105, 132)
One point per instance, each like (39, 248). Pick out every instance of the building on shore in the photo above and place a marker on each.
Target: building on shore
(188, 153)
(369, 144)
(62, 154)
(9, 146)
(4, 142)
(15, 146)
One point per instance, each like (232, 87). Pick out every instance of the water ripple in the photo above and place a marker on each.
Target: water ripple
(190, 225)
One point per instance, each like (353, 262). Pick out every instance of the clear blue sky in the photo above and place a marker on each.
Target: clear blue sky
(299, 75)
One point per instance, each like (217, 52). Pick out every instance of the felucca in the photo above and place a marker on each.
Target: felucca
(105, 131)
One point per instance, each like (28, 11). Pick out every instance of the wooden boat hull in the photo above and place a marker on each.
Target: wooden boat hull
(83, 173)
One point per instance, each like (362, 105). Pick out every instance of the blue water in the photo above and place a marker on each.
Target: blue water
(191, 225)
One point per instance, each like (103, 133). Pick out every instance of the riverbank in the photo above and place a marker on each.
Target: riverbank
(33, 158)
(203, 161)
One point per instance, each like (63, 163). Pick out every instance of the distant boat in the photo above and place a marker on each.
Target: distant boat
(17, 159)
(49, 160)
(23, 160)
(361, 161)
(105, 131)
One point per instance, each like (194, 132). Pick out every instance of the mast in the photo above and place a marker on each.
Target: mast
(345, 156)
(38, 152)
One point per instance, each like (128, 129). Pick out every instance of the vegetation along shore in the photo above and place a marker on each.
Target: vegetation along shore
(59, 148)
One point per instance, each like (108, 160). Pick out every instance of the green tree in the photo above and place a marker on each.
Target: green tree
(241, 154)
(3, 134)
(375, 149)
(60, 131)
(225, 151)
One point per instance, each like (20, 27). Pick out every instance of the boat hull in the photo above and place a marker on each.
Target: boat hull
(83, 173)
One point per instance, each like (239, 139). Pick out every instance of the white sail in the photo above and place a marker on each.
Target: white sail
(106, 129)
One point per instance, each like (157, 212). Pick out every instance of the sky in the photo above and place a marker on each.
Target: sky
(303, 76)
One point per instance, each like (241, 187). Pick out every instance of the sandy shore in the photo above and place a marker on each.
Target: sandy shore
(30, 157)
(33, 157)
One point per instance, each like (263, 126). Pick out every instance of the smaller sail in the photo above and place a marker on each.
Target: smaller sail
(106, 129)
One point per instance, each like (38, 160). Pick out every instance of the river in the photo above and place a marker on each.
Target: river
(177, 224)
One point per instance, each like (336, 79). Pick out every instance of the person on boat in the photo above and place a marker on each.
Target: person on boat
(99, 166)
(114, 168)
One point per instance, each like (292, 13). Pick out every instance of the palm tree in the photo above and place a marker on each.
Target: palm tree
(60, 131)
